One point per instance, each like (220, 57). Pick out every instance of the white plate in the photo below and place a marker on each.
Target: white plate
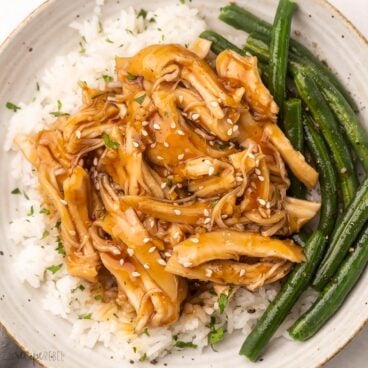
(46, 32)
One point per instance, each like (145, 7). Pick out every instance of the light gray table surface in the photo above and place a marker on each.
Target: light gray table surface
(355, 355)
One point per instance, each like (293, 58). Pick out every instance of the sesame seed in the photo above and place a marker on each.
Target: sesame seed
(179, 185)
(146, 266)
(116, 251)
(173, 125)
(268, 205)
(209, 272)
(95, 161)
(176, 235)
(242, 273)
(187, 264)
(224, 216)
(146, 240)
(163, 185)
(230, 132)
(159, 157)
(145, 123)
(258, 172)
(181, 156)
(211, 170)
(151, 250)
(156, 126)
(206, 212)
(214, 103)
(144, 133)
(64, 202)
(136, 144)
(130, 251)
(78, 134)
(135, 274)
(180, 132)
(166, 145)
(194, 240)
(177, 212)
(235, 128)
(261, 201)
(261, 178)
(250, 155)
(168, 254)
(207, 220)
(239, 178)
(153, 145)
(181, 98)
(195, 116)
(161, 262)
(207, 162)
(229, 121)
(343, 170)
(122, 261)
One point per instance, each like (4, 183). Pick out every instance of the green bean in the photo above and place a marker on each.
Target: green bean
(312, 97)
(220, 43)
(242, 19)
(279, 49)
(302, 274)
(356, 134)
(334, 293)
(293, 129)
(344, 235)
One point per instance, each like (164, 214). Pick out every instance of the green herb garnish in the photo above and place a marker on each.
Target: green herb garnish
(146, 332)
(108, 40)
(31, 211)
(216, 335)
(183, 344)
(11, 106)
(85, 316)
(143, 357)
(45, 234)
(140, 99)
(131, 77)
(223, 301)
(15, 191)
(37, 86)
(45, 211)
(100, 27)
(109, 142)
(98, 297)
(142, 13)
(54, 269)
(80, 287)
(107, 78)
(58, 113)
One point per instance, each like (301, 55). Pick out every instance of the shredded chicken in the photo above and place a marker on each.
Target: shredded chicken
(176, 173)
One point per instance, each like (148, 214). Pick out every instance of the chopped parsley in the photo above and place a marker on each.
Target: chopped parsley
(31, 211)
(129, 31)
(216, 334)
(45, 234)
(223, 302)
(109, 142)
(108, 40)
(37, 86)
(100, 27)
(16, 191)
(140, 99)
(55, 268)
(58, 113)
(146, 332)
(85, 316)
(12, 106)
(60, 248)
(57, 224)
(26, 196)
(182, 1)
(142, 13)
(79, 287)
(183, 344)
(98, 297)
(107, 78)
(131, 77)
(82, 49)
(45, 211)
(143, 357)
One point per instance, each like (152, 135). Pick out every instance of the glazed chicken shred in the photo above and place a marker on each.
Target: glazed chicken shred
(175, 174)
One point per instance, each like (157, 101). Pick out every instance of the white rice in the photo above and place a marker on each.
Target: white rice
(122, 35)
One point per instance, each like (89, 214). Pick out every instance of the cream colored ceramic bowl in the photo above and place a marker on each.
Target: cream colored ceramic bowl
(46, 33)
